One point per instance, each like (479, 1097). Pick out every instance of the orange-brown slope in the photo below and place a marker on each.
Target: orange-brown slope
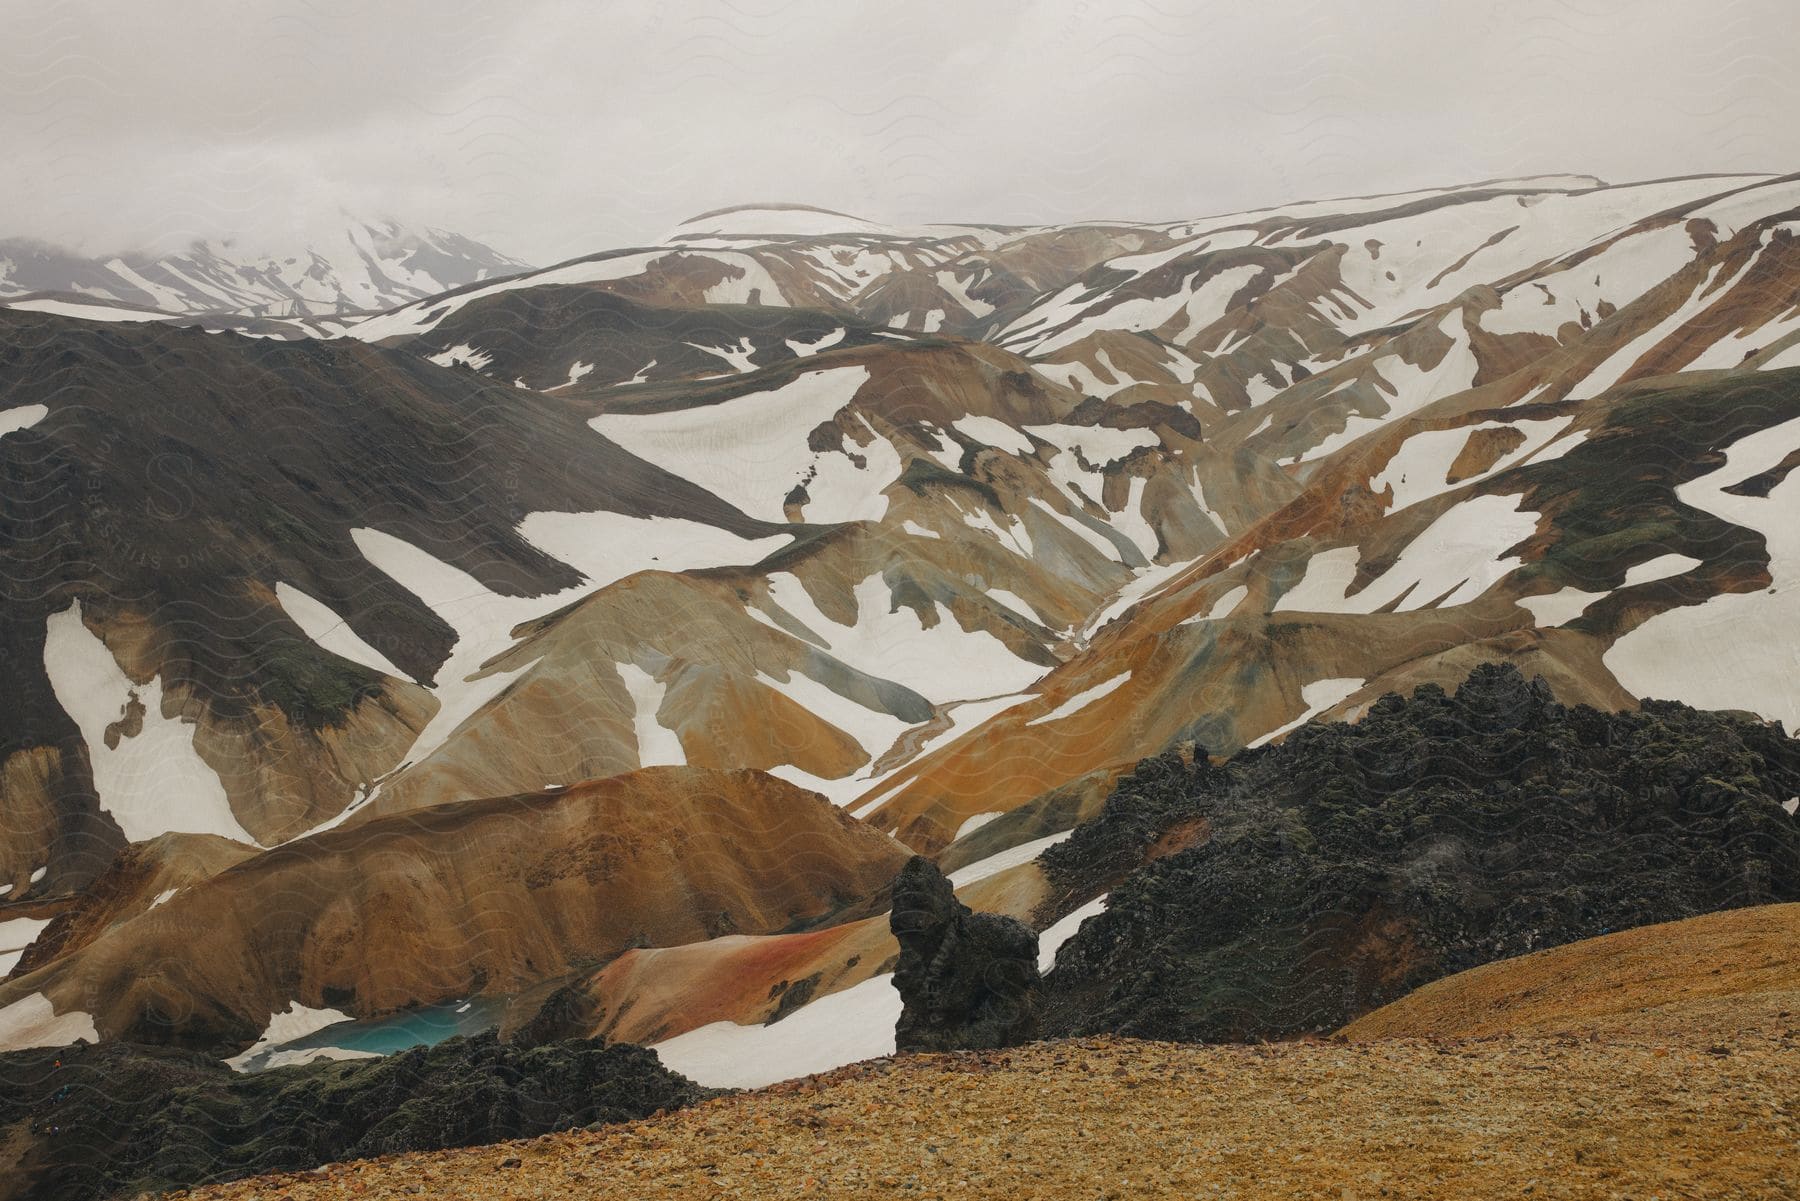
(1222, 653)
(1405, 1119)
(1222, 682)
(975, 537)
(721, 649)
(650, 994)
(487, 896)
(145, 875)
(1650, 980)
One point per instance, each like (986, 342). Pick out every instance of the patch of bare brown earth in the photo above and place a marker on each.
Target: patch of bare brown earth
(1659, 1062)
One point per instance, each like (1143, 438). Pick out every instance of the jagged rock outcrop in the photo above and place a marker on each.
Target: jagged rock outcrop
(967, 980)
(1321, 878)
(85, 1122)
(567, 1012)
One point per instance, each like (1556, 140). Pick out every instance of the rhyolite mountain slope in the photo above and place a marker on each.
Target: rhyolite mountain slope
(482, 896)
(366, 267)
(953, 524)
(234, 570)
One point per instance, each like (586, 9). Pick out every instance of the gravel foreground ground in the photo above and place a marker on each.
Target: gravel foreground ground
(1511, 1116)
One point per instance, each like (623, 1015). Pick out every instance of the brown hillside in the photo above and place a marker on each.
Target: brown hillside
(488, 896)
(1515, 1117)
(1655, 981)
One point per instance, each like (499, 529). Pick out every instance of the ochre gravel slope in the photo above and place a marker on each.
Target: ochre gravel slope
(1662, 980)
(1506, 1117)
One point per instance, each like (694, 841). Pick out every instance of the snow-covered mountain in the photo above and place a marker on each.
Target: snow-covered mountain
(952, 526)
(367, 267)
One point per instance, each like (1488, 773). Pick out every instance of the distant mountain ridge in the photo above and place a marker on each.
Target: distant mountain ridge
(367, 267)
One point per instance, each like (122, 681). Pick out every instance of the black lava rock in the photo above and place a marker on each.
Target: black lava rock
(967, 980)
(89, 1122)
(1319, 879)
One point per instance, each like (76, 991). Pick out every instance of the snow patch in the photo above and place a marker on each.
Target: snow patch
(482, 621)
(1052, 937)
(958, 290)
(1617, 275)
(1224, 607)
(1420, 469)
(990, 431)
(738, 356)
(422, 316)
(33, 1022)
(21, 417)
(1328, 576)
(577, 370)
(975, 823)
(1085, 532)
(1408, 388)
(320, 623)
(152, 782)
(462, 353)
(1621, 362)
(1025, 852)
(657, 744)
(88, 312)
(16, 934)
(966, 715)
(1560, 607)
(607, 547)
(941, 662)
(295, 1022)
(1319, 696)
(1100, 445)
(838, 1028)
(751, 451)
(1018, 604)
(1081, 700)
(873, 729)
(1735, 650)
(1013, 535)
(1659, 568)
(1202, 305)
(1452, 561)
(826, 341)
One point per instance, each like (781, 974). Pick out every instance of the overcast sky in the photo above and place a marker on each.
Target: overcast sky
(554, 129)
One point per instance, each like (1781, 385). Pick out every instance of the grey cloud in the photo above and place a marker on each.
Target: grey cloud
(552, 129)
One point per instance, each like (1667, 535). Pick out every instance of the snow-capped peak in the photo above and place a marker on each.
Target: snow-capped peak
(365, 266)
